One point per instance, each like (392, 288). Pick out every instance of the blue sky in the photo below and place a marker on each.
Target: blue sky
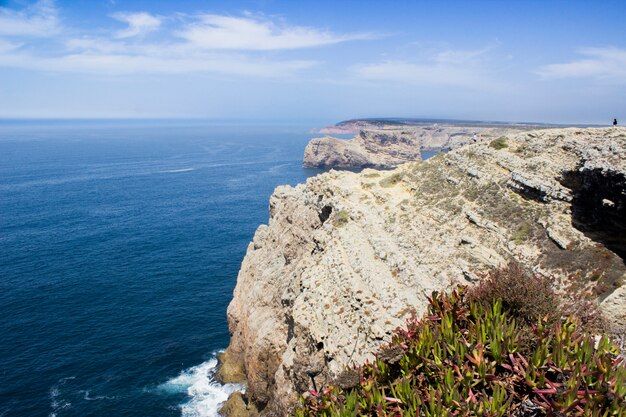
(546, 61)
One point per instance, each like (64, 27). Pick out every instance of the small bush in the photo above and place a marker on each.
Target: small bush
(499, 143)
(585, 308)
(527, 297)
(464, 359)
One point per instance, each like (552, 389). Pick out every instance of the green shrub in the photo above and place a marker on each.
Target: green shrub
(499, 143)
(391, 180)
(341, 218)
(464, 359)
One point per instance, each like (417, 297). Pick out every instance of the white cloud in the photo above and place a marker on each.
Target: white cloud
(205, 43)
(39, 20)
(213, 31)
(139, 24)
(602, 64)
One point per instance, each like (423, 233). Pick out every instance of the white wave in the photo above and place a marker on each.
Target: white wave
(178, 170)
(206, 395)
(87, 397)
(277, 169)
(57, 404)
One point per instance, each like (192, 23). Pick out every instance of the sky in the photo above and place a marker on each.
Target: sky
(534, 61)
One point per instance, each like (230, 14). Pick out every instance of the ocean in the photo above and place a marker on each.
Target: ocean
(120, 244)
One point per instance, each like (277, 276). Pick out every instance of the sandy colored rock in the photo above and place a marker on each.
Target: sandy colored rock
(346, 256)
(236, 406)
(230, 370)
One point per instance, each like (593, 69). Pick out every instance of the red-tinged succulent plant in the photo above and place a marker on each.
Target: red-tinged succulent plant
(466, 358)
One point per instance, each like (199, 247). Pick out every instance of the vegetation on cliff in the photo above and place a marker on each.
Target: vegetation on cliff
(478, 353)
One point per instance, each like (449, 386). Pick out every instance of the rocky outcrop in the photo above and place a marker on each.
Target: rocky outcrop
(346, 256)
(390, 146)
(373, 148)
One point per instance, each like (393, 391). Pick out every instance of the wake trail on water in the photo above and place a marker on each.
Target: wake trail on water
(205, 393)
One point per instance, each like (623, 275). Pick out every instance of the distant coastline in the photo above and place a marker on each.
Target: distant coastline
(351, 126)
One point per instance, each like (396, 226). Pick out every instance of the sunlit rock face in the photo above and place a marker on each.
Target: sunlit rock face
(346, 256)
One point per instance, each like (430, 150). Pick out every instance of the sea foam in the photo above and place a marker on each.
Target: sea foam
(206, 395)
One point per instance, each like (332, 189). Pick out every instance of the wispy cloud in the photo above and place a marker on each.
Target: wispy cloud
(138, 24)
(452, 67)
(202, 43)
(213, 31)
(460, 56)
(601, 64)
(38, 20)
(117, 64)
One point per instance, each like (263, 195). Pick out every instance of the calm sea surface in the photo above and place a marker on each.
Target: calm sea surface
(119, 250)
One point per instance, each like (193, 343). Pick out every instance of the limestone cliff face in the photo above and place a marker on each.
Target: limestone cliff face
(374, 148)
(390, 146)
(346, 256)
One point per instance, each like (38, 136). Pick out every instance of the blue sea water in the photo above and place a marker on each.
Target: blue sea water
(120, 245)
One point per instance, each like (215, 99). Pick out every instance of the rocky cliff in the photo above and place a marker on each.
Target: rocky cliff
(390, 146)
(374, 148)
(346, 256)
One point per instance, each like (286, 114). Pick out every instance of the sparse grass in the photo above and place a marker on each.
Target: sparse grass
(438, 157)
(391, 180)
(522, 233)
(372, 175)
(607, 267)
(499, 143)
(341, 218)
(450, 205)
(471, 192)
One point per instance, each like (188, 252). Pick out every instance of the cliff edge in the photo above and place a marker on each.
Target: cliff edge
(346, 256)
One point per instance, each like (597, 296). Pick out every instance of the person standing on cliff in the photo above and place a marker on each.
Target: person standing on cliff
(614, 122)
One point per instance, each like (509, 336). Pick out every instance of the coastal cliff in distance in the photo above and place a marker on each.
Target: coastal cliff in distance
(385, 144)
(347, 256)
